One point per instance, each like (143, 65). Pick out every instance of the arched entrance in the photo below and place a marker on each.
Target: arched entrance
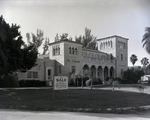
(105, 73)
(112, 72)
(99, 72)
(93, 71)
(86, 70)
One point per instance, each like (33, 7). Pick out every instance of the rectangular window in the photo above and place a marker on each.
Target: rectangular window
(29, 74)
(59, 69)
(49, 74)
(73, 69)
(35, 74)
(32, 74)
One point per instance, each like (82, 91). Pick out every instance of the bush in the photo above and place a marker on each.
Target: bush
(84, 80)
(132, 76)
(78, 81)
(122, 81)
(71, 82)
(31, 83)
(97, 81)
(9, 81)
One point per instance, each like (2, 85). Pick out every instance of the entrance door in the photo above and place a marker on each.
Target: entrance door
(49, 71)
(49, 76)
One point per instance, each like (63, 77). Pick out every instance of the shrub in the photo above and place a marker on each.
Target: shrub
(132, 76)
(9, 81)
(71, 82)
(97, 81)
(122, 81)
(84, 80)
(31, 83)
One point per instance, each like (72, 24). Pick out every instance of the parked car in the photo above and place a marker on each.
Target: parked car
(145, 79)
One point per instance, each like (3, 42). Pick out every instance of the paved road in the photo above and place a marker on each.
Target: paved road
(129, 89)
(17, 115)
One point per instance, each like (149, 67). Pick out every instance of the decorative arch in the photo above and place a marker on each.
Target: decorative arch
(86, 70)
(91, 55)
(93, 71)
(105, 73)
(99, 72)
(112, 72)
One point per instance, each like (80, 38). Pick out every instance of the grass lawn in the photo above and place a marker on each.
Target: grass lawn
(75, 100)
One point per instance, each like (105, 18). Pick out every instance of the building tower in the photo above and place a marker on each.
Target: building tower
(117, 47)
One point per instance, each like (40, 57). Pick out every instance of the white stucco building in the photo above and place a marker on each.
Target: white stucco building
(110, 60)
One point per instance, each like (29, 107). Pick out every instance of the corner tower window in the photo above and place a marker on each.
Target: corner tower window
(54, 51)
(69, 50)
(111, 45)
(58, 50)
(73, 51)
(121, 57)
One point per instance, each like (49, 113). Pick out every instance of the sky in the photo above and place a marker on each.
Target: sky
(126, 18)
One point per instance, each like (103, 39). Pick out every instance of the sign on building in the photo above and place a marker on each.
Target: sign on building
(60, 82)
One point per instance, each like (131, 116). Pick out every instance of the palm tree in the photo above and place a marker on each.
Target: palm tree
(144, 62)
(146, 40)
(133, 59)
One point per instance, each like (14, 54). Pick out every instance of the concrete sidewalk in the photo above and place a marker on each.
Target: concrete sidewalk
(146, 90)
(17, 115)
(125, 89)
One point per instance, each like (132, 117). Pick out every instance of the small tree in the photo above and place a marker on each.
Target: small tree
(78, 39)
(64, 36)
(15, 55)
(45, 46)
(13, 51)
(89, 41)
(133, 59)
(38, 39)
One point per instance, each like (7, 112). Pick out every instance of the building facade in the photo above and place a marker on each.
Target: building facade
(65, 57)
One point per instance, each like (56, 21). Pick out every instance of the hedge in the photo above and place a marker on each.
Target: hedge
(31, 83)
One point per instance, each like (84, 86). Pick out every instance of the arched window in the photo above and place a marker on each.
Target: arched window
(69, 50)
(104, 45)
(100, 46)
(111, 57)
(108, 44)
(58, 50)
(121, 57)
(111, 45)
(53, 50)
(73, 51)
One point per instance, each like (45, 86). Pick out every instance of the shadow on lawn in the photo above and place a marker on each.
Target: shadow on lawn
(77, 100)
